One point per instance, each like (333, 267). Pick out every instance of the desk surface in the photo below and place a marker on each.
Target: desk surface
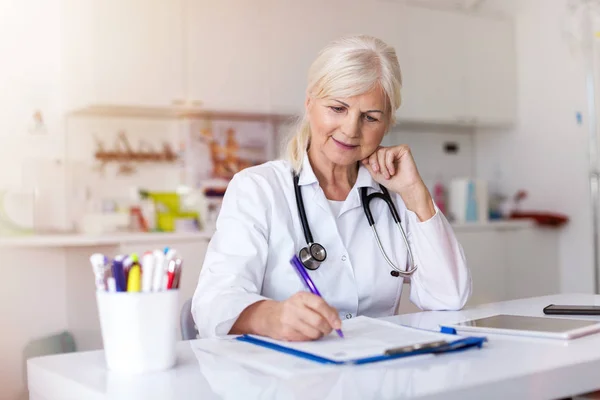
(509, 367)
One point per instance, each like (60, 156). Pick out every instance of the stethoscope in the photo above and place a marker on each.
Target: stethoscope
(314, 253)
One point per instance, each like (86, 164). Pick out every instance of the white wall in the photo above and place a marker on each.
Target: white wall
(546, 153)
(427, 146)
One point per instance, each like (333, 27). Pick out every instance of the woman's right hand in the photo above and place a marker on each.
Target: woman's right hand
(303, 316)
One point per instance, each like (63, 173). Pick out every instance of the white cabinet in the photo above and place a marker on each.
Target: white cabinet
(299, 30)
(294, 47)
(254, 56)
(433, 67)
(508, 264)
(30, 68)
(456, 68)
(124, 52)
(226, 54)
(486, 258)
(459, 69)
(490, 71)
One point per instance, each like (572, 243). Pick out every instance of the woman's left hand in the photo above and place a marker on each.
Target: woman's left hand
(395, 168)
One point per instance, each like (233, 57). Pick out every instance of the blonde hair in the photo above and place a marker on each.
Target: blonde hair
(347, 67)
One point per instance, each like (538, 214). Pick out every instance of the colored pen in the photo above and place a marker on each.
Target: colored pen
(100, 268)
(297, 264)
(159, 271)
(170, 274)
(111, 284)
(147, 271)
(134, 276)
(119, 274)
(178, 268)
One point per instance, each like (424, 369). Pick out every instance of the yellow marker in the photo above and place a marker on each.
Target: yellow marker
(133, 282)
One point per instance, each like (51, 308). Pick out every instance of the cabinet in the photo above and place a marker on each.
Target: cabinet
(433, 68)
(510, 264)
(456, 68)
(299, 30)
(459, 69)
(226, 54)
(124, 52)
(506, 263)
(254, 56)
(30, 76)
(491, 82)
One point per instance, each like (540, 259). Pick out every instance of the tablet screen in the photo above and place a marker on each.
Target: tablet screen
(521, 323)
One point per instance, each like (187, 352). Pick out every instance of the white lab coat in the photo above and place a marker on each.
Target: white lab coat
(259, 230)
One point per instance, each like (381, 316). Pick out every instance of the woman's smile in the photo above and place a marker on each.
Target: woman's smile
(343, 146)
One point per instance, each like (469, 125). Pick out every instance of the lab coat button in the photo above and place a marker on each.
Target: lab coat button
(343, 258)
(348, 316)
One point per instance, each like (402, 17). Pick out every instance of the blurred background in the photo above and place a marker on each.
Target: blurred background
(121, 122)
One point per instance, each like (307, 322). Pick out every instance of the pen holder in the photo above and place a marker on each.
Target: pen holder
(139, 330)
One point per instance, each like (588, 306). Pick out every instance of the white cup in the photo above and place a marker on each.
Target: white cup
(139, 330)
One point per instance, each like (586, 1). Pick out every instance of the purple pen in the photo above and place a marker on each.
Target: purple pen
(295, 261)
(119, 274)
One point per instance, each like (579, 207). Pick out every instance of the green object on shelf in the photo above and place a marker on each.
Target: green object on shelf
(165, 222)
(168, 209)
(164, 201)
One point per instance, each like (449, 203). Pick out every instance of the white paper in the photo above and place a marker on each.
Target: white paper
(363, 337)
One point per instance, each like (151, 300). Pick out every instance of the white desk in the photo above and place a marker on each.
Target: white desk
(507, 368)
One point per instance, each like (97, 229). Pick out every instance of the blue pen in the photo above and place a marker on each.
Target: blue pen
(295, 261)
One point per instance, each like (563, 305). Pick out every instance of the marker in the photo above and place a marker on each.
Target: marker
(111, 284)
(99, 266)
(147, 271)
(133, 281)
(159, 271)
(119, 274)
(169, 256)
(171, 274)
(178, 267)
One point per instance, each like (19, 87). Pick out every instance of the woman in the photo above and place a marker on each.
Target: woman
(247, 284)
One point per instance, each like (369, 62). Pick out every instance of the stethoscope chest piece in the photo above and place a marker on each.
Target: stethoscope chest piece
(312, 256)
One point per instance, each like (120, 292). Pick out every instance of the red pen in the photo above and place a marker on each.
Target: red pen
(178, 266)
(171, 274)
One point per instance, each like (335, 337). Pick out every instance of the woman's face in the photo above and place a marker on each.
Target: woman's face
(346, 130)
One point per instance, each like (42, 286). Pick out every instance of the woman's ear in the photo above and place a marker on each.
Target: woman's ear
(308, 102)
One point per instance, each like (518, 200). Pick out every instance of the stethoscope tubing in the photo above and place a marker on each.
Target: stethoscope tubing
(366, 203)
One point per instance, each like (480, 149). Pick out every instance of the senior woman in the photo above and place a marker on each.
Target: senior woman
(334, 161)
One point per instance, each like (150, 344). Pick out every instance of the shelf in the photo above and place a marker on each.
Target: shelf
(503, 225)
(82, 240)
(175, 112)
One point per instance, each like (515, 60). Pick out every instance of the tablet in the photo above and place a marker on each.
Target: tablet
(557, 328)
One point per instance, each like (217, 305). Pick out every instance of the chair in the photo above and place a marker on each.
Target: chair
(188, 326)
(57, 343)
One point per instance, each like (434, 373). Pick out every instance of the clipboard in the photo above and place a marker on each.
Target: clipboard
(403, 342)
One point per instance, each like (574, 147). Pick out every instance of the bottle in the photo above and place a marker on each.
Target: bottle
(472, 213)
(439, 196)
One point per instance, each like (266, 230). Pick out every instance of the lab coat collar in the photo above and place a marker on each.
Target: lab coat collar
(307, 175)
